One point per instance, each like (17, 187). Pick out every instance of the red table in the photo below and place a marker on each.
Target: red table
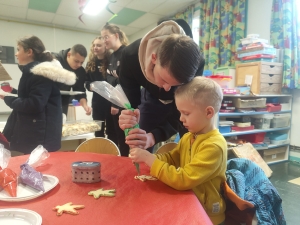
(136, 202)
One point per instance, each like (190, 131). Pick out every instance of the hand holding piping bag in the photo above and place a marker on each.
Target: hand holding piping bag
(116, 96)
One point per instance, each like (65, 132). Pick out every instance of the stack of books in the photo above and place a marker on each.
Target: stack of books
(256, 49)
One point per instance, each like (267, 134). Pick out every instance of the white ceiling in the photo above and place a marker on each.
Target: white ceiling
(68, 12)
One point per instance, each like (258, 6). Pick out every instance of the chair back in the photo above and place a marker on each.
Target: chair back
(166, 147)
(99, 145)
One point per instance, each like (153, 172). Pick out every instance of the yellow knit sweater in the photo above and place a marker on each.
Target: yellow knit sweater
(200, 167)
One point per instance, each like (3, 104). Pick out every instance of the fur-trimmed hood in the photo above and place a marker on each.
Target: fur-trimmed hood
(54, 71)
(150, 43)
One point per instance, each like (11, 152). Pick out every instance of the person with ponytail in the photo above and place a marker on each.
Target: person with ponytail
(115, 40)
(96, 69)
(36, 117)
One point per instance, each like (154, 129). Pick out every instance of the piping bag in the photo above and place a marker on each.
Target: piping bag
(116, 96)
(8, 178)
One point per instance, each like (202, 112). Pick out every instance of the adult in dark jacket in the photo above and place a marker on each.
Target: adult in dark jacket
(36, 118)
(96, 69)
(162, 60)
(72, 59)
(115, 39)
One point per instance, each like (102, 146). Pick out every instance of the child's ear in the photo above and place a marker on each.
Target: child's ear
(210, 112)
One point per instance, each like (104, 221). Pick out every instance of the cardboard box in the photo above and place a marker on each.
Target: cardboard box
(275, 154)
(250, 103)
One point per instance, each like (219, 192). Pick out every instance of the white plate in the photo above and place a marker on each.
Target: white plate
(19, 217)
(25, 192)
(71, 92)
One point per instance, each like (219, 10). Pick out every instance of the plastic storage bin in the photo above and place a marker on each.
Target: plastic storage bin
(250, 103)
(223, 81)
(262, 121)
(224, 129)
(281, 120)
(254, 138)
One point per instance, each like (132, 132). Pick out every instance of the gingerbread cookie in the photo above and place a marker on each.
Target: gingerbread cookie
(102, 192)
(67, 208)
(144, 178)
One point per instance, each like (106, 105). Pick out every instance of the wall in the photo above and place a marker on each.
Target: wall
(259, 18)
(141, 33)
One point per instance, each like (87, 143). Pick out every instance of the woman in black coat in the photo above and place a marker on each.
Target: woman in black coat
(36, 118)
(96, 69)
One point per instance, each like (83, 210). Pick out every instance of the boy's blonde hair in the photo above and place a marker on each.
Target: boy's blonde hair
(203, 92)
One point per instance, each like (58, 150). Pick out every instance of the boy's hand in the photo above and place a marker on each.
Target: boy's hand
(128, 118)
(141, 156)
(138, 138)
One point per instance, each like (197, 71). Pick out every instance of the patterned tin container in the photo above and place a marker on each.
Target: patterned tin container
(86, 172)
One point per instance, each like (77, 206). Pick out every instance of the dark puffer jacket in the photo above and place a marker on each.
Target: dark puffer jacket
(36, 118)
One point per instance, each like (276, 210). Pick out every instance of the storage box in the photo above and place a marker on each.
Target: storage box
(250, 103)
(281, 120)
(280, 142)
(275, 107)
(86, 172)
(276, 154)
(254, 138)
(224, 129)
(227, 71)
(262, 121)
(223, 81)
(256, 70)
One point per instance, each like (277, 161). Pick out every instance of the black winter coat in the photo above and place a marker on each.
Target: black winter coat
(36, 118)
(80, 81)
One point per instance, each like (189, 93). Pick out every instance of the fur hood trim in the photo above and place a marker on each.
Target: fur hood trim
(54, 71)
(150, 43)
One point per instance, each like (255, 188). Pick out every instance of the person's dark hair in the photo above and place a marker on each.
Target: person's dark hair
(80, 49)
(91, 65)
(184, 25)
(114, 29)
(37, 47)
(180, 55)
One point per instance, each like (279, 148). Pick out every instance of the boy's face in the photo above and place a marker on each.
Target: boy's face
(163, 78)
(75, 60)
(195, 118)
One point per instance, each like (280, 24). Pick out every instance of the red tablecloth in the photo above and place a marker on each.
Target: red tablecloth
(136, 202)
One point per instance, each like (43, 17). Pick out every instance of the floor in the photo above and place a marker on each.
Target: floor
(290, 193)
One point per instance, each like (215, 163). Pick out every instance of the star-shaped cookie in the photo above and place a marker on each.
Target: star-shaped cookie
(144, 178)
(102, 192)
(67, 208)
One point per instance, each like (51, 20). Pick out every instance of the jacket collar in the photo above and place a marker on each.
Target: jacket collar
(53, 71)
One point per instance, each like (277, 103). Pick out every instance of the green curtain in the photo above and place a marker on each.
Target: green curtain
(222, 25)
(285, 34)
(187, 15)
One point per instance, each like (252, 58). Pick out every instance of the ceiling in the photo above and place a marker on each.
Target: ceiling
(133, 15)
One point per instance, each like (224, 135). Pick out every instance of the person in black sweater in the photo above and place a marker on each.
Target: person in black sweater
(163, 59)
(115, 40)
(96, 69)
(72, 59)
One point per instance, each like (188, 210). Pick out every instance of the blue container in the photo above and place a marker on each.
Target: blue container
(224, 129)
(207, 73)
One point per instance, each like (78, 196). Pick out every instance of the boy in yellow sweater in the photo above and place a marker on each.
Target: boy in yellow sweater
(199, 160)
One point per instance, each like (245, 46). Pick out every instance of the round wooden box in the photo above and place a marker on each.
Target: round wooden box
(86, 172)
